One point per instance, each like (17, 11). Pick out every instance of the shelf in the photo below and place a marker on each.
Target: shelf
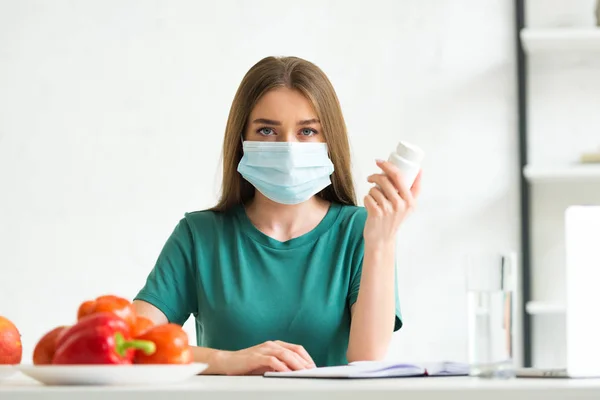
(544, 308)
(561, 40)
(567, 173)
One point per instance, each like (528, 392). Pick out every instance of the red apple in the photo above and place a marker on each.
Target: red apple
(11, 349)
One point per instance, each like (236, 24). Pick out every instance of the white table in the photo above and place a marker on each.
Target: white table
(258, 388)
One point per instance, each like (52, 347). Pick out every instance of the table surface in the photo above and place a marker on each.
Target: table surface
(20, 387)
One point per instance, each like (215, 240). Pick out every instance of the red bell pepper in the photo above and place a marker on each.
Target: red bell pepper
(46, 346)
(117, 305)
(100, 338)
(172, 346)
(142, 324)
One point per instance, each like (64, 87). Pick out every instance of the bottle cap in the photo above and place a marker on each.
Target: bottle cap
(410, 152)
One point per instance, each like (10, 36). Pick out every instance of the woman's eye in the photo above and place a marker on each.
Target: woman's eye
(308, 132)
(266, 131)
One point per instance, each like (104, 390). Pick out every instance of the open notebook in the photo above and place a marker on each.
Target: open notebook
(376, 369)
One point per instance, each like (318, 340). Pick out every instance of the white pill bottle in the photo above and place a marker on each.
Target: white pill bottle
(407, 158)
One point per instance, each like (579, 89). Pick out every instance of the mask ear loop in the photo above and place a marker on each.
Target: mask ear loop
(242, 142)
(320, 194)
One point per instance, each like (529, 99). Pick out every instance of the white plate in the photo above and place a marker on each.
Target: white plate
(6, 371)
(111, 374)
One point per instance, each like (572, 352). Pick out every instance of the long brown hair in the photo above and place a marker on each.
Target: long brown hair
(293, 73)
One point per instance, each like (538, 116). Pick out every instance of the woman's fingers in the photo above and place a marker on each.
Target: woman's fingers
(416, 187)
(292, 360)
(389, 190)
(395, 176)
(372, 207)
(268, 356)
(271, 363)
(300, 351)
(381, 199)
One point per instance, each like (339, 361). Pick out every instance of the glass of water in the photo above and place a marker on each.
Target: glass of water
(491, 282)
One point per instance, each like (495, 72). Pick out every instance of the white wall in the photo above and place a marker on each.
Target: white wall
(113, 114)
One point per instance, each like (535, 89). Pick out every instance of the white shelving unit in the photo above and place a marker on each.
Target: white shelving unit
(561, 40)
(562, 123)
(568, 173)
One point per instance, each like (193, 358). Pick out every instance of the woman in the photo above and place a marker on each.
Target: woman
(285, 272)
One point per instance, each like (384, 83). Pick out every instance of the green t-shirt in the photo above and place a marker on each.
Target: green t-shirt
(245, 288)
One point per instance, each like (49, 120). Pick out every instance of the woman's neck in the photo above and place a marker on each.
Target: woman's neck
(284, 222)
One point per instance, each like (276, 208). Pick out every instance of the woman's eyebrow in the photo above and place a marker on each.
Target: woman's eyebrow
(309, 121)
(266, 121)
(278, 123)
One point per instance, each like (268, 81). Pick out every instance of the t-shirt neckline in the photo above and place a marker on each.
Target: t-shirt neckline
(323, 226)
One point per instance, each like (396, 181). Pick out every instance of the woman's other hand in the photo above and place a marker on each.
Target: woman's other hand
(388, 203)
(276, 356)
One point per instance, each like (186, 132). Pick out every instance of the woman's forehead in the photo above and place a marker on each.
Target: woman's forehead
(284, 104)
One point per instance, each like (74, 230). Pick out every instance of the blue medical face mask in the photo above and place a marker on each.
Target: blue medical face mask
(286, 172)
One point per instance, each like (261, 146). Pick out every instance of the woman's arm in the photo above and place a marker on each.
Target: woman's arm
(201, 354)
(269, 356)
(373, 314)
(147, 310)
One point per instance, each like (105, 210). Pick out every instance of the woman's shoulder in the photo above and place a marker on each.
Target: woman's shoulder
(353, 212)
(202, 226)
(203, 218)
(352, 217)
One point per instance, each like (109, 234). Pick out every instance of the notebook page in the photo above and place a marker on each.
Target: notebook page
(446, 368)
(355, 371)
